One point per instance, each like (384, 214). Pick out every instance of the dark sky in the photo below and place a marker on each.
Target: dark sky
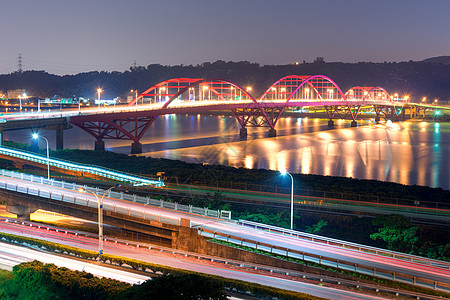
(66, 37)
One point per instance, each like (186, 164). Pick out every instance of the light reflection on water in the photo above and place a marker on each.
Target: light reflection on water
(405, 152)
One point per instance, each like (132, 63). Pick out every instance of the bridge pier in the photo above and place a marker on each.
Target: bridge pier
(272, 132)
(353, 124)
(377, 119)
(243, 133)
(136, 148)
(99, 145)
(59, 137)
(330, 123)
(22, 212)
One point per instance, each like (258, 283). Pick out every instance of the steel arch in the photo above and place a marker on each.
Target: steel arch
(210, 83)
(369, 94)
(303, 79)
(366, 92)
(181, 83)
(292, 84)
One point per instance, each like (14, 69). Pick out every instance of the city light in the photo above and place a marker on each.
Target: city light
(99, 91)
(36, 137)
(284, 172)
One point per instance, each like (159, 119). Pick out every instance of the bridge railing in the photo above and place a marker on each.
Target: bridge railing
(84, 200)
(204, 211)
(92, 169)
(326, 261)
(345, 244)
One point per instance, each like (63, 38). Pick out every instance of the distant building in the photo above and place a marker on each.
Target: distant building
(2, 95)
(16, 94)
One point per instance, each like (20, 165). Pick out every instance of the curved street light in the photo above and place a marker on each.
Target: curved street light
(100, 214)
(284, 172)
(36, 137)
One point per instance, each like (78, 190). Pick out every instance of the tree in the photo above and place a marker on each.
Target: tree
(397, 231)
(171, 287)
(316, 228)
(319, 60)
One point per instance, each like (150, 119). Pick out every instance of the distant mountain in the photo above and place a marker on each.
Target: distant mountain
(416, 79)
(438, 60)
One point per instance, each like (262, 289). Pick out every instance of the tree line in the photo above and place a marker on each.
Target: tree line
(416, 79)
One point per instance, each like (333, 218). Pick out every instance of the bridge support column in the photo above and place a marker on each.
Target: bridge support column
(136, 148)
(59, 137)
(1, 136)
(99, 145)
(330, 123)
(22, 212)
(377, 119)
(243, 133)
(272, 132)
(353, 124)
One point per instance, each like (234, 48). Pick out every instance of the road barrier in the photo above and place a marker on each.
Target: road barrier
(111, 194)
(326, 261)
(347, 245)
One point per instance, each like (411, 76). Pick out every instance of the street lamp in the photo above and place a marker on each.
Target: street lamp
(100, 214)
(135, 98)
(99, 91)
(36, 137)
(284, 172)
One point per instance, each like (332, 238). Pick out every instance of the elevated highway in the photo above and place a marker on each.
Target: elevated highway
(184, 230)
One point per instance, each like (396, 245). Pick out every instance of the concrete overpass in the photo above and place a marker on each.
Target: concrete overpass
(184, 230)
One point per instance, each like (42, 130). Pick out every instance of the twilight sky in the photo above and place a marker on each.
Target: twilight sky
(67, 37)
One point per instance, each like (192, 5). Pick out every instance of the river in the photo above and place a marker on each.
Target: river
(405, 152)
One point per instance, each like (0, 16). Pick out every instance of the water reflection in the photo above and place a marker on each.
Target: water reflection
(406, 152)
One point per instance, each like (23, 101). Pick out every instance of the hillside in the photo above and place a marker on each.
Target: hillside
(438, 60)
(417, 79)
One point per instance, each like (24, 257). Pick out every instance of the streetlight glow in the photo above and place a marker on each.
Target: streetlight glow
(99, 91)
(36, 137)
(284, 172)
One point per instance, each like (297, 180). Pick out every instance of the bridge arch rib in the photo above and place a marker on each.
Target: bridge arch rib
(170, 96)
(302, 90)
(162, 91)
(377, 97)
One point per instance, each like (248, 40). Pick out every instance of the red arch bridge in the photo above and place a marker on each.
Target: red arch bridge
(188, 95)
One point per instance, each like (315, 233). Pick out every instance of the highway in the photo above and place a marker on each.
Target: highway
(231, 228)
(11, 255)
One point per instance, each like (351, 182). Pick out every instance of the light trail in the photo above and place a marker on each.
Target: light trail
(159, 258)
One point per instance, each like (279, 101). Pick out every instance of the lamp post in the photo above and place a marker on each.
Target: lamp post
(36, 137)
(100, 214)
(99, 91)
(135, 98)
(284, 172)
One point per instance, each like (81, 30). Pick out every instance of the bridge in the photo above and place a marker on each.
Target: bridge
(189, 228)
(194, 95)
